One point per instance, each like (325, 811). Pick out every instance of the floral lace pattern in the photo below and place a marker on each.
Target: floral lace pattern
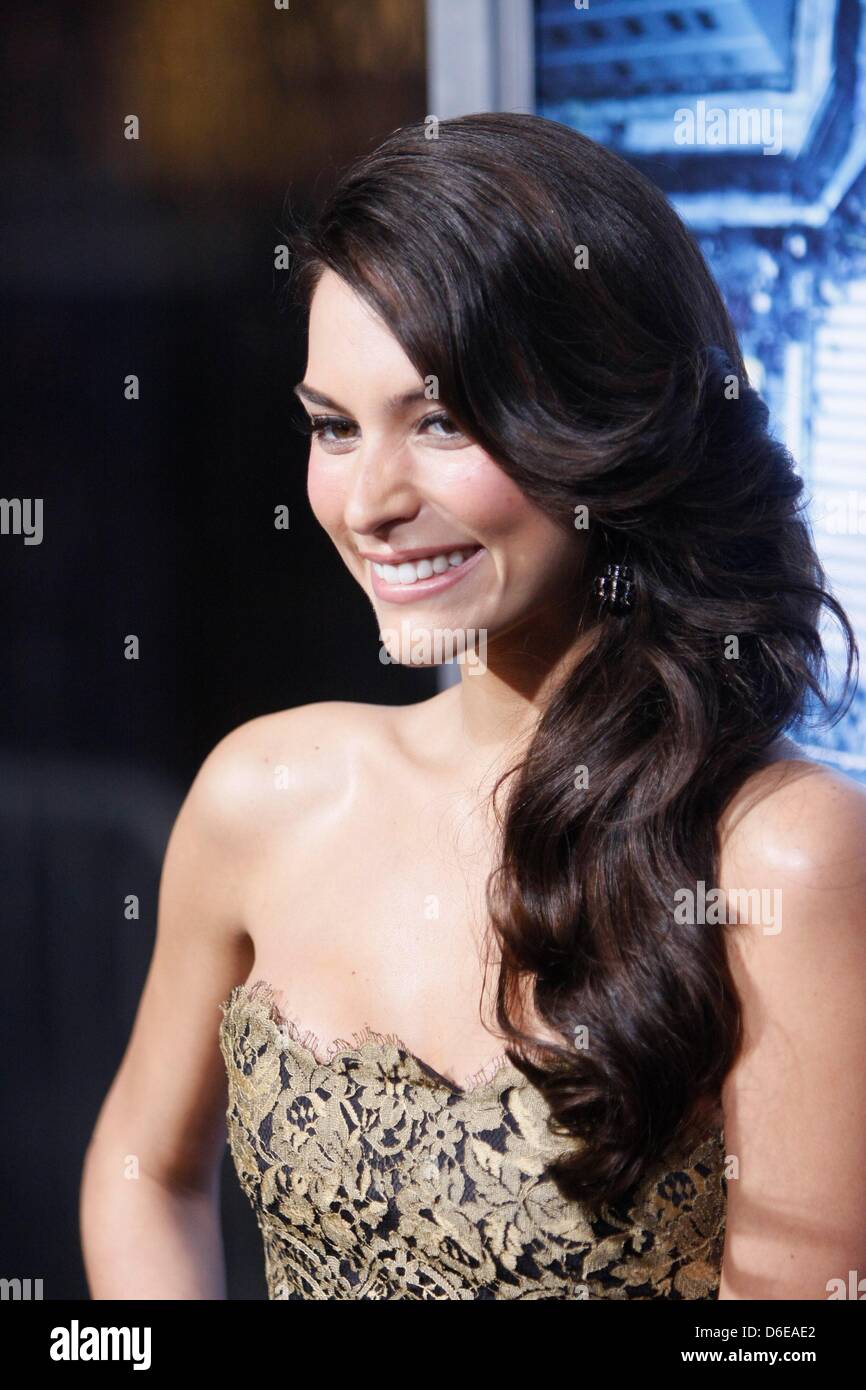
(372, 1177)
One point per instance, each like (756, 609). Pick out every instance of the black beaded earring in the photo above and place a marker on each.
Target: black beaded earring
(615, 588)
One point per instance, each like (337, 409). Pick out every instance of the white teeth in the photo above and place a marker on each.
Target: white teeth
(409, 571)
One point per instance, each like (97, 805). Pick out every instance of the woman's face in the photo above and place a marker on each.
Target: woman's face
(434, 531)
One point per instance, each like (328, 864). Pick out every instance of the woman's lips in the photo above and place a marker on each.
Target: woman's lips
(424, 588)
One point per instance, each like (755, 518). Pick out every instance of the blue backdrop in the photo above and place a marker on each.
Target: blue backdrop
(751, 115)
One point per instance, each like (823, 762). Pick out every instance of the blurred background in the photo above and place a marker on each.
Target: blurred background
(156, 257)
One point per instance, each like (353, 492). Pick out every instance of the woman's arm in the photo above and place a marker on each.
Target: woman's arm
(795, 1103)
(149, 1204)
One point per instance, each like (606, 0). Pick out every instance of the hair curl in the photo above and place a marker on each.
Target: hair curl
(621, 387)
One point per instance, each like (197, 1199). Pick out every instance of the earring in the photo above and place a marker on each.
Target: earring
(615, 588)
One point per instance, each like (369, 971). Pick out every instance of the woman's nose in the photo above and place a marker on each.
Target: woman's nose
(380, 489)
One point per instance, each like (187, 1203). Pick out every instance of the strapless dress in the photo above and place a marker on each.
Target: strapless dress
(373, 1177)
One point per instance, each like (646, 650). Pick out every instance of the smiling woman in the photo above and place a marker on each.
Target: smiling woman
(521, 377)
(385, 442)
(427, 569)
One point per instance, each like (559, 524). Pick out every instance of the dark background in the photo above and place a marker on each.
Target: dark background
(154, 257)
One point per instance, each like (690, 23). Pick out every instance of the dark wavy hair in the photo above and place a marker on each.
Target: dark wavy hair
(618, 386)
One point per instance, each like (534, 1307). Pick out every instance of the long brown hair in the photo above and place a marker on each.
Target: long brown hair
(610, 378)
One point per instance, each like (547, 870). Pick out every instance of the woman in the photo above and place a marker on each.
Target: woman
(532, 434)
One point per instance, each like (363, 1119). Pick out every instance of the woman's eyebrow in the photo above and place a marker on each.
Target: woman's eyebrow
(394, 404)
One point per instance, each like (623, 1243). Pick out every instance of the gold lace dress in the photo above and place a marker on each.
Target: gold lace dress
(372, 1176)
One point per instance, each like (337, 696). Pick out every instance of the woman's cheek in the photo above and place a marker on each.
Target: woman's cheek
(325, 494)
(475, 490)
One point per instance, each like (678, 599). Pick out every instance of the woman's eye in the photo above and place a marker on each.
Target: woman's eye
(441, 426)
(332, 429)
(336, 433)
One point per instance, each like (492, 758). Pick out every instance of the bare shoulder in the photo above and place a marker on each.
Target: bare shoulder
(305, 753)
(795, 833)
(793, 845)
(797, 821)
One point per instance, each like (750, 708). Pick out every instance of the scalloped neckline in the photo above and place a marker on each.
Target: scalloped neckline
(264, 998)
